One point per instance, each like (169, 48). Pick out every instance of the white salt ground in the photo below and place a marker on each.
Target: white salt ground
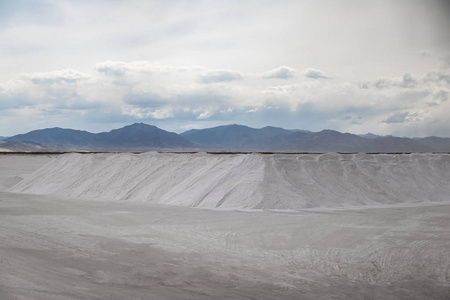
(249, 180)
(15, 167)
(128, 246)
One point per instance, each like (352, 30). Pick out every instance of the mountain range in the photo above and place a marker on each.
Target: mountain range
(228, 138)
(136, 137)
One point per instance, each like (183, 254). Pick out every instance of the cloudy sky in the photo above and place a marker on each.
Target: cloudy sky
(380, 66)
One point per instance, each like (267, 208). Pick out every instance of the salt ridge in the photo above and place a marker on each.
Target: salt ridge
(255, 181)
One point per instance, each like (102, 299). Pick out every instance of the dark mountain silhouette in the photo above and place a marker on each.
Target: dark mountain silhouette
(438, 143)
(59, 138)
(233, 138)
(243, 138)
(369, 135)
(397, 144)
(326, 141)
(141, 135)
(236, 137)
(136, 137)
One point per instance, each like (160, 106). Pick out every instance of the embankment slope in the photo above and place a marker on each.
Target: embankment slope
(276, 181)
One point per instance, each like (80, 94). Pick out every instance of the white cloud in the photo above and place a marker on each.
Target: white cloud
(315, 74)
(204, 115)
(120, 93)
(148, 113)
(56, 77)
(220, 76)
(407, 80)
(437, 78)
(398, 117)
(282, 72)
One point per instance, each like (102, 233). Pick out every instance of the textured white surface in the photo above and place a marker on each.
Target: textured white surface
(54, 247)
(249, 180)
(64, 248)
(15, 167)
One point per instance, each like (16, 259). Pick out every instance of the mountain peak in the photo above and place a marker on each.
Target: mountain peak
(369, 135)
(330, 131)
(134, 137)
(136, 129)
(139, 125)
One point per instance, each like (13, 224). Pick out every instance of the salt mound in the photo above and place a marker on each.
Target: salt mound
(275, 181)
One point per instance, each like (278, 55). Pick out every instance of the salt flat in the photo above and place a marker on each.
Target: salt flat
(13, 167)
(61, 247)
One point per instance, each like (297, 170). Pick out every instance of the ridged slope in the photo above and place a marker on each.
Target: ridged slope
(247, 181)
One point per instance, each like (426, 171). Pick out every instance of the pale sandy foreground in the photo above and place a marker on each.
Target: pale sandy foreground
(55, 247)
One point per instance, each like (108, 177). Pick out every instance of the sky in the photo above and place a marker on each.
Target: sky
(379, 66)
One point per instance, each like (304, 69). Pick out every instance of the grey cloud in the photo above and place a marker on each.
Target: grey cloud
(398, 117)
(437, 77)
(409, 99)
(407, 81)
(73, 103)
(353, 119)
(56, 101)
(193, 106)
(174, 94)
(425, 53)
(111, 72)
(59, 90)
(282, 72)
(143, 68)
(364, 85)
(153, 100)
(200, 98)
(445, 62)
(64, 76)
(187, 112)
(315, 74)
(109, 68)
(441, 95)
(382, 83)
(48, 81)
(14, 102)
(106, 115)
(145, 100)
(220, 76)
(119, 68)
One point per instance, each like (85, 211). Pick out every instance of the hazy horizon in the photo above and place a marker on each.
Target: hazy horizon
(182, 131)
